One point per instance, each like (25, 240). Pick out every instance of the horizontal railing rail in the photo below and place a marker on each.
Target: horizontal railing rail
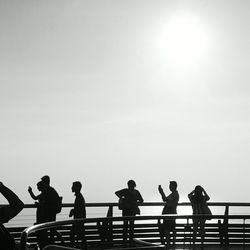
(115, 204)
(27, 216)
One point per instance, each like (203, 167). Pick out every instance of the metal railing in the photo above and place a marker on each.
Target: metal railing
(27, 216)
(150, 227)
(98, 212)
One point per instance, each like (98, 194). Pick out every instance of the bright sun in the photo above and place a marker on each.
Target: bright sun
(183, 41)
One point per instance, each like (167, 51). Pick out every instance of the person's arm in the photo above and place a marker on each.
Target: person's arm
(163, 196)
(207, 198)
(139, 198)
(190, 195)
(84, 208)
(33, 196)
(119, 193)
(15, 204)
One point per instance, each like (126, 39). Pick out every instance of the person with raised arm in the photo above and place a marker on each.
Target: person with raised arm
(171, 202)
(39, 202)
(198, 198)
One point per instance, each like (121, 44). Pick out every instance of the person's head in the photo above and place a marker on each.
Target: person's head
(198, 190)
(46, 180)
(40, 186)
(76, 186)
(173, 185)
(131, 184)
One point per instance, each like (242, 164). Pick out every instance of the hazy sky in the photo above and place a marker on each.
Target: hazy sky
(104, 91)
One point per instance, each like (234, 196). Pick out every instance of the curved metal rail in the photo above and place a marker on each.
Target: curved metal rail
(25, 234)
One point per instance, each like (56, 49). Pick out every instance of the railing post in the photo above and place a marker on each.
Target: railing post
(108, 235)
(244, 236)
(187, 228)
(110, 225)
(223, 228)
(106, 228)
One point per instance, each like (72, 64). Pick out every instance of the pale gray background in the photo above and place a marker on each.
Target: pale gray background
(105, 91)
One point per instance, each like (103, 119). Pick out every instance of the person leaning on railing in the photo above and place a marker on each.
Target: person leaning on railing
(7, 213)
(129, 199)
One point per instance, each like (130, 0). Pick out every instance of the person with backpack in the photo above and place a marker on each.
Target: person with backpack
(51, 200)
(128, 200)
(129, 197)
(50, 206)
(38, 201)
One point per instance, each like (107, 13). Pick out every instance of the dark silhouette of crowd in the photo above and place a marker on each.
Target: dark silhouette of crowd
(49, 203)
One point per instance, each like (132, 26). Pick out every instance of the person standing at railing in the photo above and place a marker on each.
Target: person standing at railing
(198, 198)
(51, 199)
(48, 207)
(7, 213)
(128, 200)
(39, 203)
(171, 202)
(78, 212)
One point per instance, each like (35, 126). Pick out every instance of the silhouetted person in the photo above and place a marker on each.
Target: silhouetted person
(47, 210)
(51, 198)
(198, 198)
(40, 202)
(130, 198)
(78, 212)
(170, 207)
(7, 213)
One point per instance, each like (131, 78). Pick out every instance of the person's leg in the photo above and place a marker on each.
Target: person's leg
(81, 236)
(72, 235)
(125, 227)
(131, 231)
(42, 238)
(168, 228)
(202, 231)
(167, 235)
(174, 231)
(195, 228)
(161, 232)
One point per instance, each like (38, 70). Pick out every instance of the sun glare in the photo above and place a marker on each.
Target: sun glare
(183, 41)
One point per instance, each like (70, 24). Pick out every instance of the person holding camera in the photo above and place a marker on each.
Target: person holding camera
(171, 203)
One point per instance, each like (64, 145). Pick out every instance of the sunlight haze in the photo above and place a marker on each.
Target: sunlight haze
(107, 91)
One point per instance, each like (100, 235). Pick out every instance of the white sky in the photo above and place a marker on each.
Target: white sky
(104, 91)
